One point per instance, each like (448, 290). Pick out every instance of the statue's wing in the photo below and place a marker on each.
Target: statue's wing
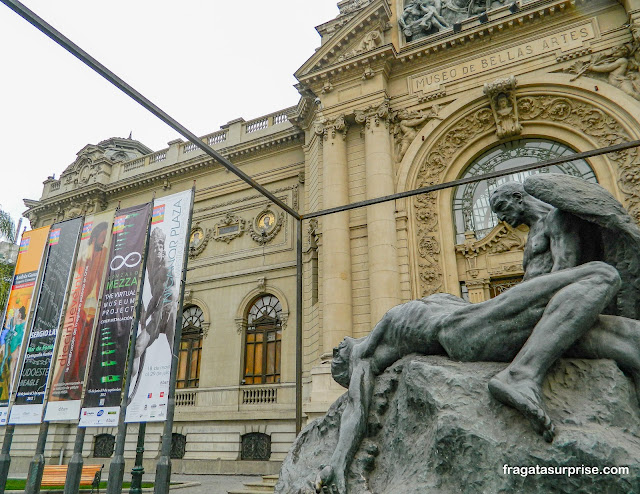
(620, 234)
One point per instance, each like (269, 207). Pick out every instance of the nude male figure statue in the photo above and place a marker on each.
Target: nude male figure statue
(557, 311)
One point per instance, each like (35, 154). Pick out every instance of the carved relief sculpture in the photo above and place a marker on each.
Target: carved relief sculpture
(421, 18)
(620, 65)
(502, 96)
(408, 124)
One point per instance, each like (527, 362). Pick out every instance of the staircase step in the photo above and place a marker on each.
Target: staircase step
(259, 487)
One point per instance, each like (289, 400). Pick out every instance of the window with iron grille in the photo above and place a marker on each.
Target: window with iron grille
(263, 337)
(178, 446)
(256, 446)
(103, 446)
(190, 350)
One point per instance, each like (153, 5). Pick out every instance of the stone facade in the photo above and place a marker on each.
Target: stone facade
(380, 112)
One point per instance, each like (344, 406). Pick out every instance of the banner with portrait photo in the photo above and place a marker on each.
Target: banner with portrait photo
(149, 391)
(105, 379)
(28, 264)
(61, 252)
(70, 364)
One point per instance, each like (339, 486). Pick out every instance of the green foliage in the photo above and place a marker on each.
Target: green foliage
(7, 227)
(6, 273)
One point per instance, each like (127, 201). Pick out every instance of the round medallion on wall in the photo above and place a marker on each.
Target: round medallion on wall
(266, 222)
(197, 241)
(265, 226)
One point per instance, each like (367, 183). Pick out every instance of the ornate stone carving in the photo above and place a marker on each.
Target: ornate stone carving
(265, 226)
(327, 87)
(229, 228)
(373, 114)
(312, 234)
(603, 128)
(198, 240)
(421, 18)
(430, 173)
(330, 128)
(406, 126)
(574, 114)
(372, 40)
(353, 6)
(262, 284)
(502, 96)
(618, 66)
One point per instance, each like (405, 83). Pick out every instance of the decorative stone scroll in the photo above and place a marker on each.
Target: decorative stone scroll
(501, 94)
(330, 128)
(374, 115)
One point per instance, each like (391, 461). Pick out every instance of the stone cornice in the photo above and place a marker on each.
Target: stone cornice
(368, 18)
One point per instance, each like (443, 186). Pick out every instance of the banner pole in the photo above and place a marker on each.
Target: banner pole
(138, 470)
(116, 468)
(163, 466)
(36, 467)
(74, 469)
(5, 457)
(298, 326)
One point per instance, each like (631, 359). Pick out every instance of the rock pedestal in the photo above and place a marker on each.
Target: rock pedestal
(434, 427)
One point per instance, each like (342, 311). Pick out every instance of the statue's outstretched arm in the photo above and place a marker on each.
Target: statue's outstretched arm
(353, 426)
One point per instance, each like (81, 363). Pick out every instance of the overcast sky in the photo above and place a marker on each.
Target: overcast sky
(203, 62)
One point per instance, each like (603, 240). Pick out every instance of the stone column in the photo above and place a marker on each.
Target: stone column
(336, 243)
(384, 272)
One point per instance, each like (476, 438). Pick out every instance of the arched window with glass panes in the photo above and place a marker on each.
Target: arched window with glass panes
(471, 210)
(190, 348)
(263, 343)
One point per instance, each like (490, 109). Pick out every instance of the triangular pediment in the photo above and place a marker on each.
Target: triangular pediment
(362, 31)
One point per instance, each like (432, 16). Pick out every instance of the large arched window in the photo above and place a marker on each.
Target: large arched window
(263, 341)
(190, 348)
(471, 209)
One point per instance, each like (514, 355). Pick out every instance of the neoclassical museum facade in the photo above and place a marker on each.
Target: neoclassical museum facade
(399, 95)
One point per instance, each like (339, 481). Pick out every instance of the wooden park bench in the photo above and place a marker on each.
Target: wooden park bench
(55, 475)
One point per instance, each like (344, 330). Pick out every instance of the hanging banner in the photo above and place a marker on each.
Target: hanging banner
(18, 307)
(101, 405)
(70, 363)
(149, 391)
(61, 251)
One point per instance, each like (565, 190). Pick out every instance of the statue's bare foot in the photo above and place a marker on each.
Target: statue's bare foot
(524, 396)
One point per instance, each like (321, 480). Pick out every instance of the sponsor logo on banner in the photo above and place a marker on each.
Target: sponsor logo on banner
(160, 303)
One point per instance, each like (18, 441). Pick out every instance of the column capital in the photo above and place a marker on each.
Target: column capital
(331, 127)
(374, 115)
